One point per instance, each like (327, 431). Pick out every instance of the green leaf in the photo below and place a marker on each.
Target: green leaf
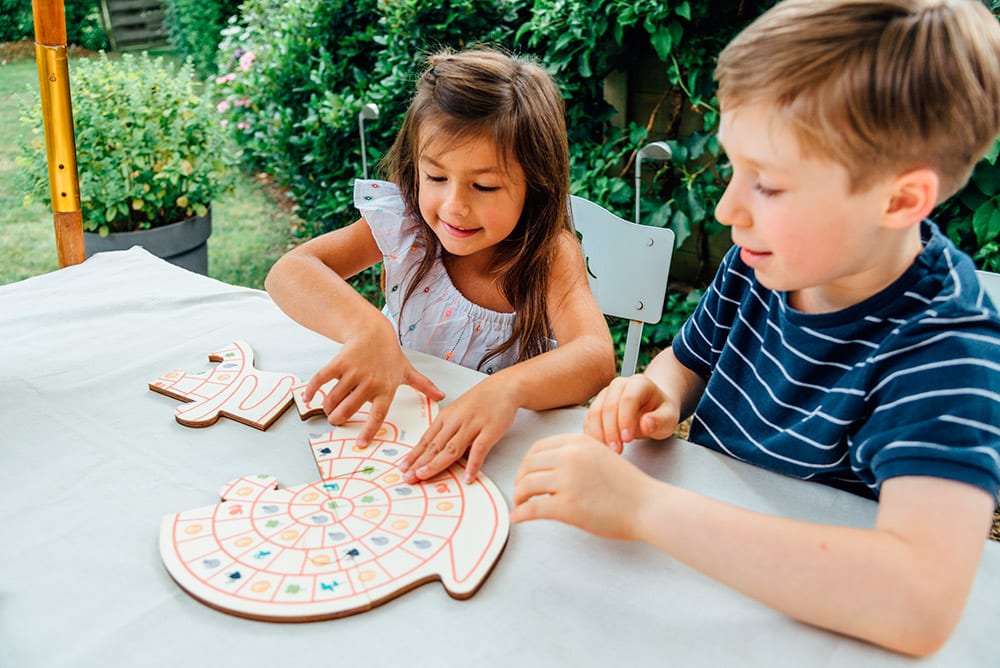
(663, 42)
(993, 153)
(696, 206)
(683, 9)
(986, 221)
(681, 225)
(987, 178)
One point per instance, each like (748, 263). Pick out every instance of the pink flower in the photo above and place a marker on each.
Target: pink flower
(226, 78)
(243, 125)
(246, 60)
(222, 107)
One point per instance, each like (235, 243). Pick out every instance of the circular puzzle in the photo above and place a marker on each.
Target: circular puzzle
(355, 538)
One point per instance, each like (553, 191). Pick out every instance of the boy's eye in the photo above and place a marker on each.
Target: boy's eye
(766, 192)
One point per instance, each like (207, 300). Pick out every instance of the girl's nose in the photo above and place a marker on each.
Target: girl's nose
(455, 204)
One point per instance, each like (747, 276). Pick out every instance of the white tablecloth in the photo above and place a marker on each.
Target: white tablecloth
(92, 460)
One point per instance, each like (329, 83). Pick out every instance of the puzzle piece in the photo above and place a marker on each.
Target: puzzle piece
(264, 553)
(356, 538)
(234, 389)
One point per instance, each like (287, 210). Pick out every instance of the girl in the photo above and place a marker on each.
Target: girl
(481, 266)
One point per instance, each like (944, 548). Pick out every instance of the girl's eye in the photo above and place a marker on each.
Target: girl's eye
(435, 179)
(485, 189)
(766, 192)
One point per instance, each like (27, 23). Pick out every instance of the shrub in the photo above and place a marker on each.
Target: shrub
(194, 28)
(150, 150)
(83, 22)
(15, 20)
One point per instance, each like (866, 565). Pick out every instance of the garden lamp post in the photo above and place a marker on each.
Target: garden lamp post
(57, 115)
(657, 150)
(368, 112)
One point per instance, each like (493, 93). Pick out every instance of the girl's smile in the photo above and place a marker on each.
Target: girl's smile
(460, 232)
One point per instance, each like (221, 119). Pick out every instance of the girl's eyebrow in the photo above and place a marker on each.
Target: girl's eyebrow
(483, 170)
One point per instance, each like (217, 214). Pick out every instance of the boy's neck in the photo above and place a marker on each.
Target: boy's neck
(881, 269)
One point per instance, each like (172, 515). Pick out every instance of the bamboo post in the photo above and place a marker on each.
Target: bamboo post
(57, 114)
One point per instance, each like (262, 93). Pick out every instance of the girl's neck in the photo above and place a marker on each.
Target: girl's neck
(473, 276)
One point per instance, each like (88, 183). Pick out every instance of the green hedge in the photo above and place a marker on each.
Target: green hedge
(295, 74)
(83, 23)
(194, 28)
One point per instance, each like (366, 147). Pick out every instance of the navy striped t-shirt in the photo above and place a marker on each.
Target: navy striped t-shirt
(906, 382)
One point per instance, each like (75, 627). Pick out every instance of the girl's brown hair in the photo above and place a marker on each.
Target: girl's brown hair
(482, 92)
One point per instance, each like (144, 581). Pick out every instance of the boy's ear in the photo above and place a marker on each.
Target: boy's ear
(913, 197)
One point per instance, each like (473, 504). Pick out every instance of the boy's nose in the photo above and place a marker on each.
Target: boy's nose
(729, 211)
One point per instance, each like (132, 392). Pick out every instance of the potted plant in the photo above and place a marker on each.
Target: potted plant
(151, 156)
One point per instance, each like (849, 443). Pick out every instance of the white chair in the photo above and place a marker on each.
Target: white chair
(991, 284)
(627, 267)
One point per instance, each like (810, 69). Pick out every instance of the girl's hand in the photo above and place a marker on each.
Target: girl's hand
(475, 422)
(575, 479)
(629, 408)
(369, 367)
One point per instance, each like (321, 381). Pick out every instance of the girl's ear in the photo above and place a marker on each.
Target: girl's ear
(914, 195)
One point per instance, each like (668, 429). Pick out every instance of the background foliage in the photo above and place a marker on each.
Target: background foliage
(194, 28)
(83, 22)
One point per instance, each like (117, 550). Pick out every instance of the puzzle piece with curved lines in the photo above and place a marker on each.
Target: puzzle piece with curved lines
(233, 388)
(356, 538)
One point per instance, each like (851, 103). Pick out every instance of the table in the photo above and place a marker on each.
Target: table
(92, 460)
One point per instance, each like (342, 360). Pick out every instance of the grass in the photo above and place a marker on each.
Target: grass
(251, 227)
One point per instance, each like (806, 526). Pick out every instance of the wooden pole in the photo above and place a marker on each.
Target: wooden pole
(57, 114)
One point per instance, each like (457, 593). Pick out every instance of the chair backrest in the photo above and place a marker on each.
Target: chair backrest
(991, 284)
(627, 266)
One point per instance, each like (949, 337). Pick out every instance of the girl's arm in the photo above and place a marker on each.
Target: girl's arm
(902, 584)
(574, 371)
(308, 284)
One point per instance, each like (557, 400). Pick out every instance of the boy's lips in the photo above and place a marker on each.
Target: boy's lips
(753, 258)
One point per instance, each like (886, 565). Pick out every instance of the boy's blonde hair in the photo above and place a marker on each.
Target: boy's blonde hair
(879, 86)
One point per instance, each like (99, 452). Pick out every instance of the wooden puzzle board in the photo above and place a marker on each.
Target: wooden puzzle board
(353, 539)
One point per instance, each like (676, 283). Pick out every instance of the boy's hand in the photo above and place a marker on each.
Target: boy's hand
(577, 480)
(475, 422)
(367, 370)
(630, 408)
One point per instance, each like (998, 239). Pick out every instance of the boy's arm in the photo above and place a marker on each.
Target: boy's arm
(308, 284)
(581, 364)
(902, 584)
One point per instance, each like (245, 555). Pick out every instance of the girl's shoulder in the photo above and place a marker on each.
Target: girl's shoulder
(381, 206)
(373, 195)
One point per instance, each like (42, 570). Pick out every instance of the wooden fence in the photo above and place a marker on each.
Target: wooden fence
(134, 24)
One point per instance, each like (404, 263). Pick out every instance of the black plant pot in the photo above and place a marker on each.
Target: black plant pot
(184, 243)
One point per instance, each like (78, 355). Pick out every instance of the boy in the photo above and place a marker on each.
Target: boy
(844, 339)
